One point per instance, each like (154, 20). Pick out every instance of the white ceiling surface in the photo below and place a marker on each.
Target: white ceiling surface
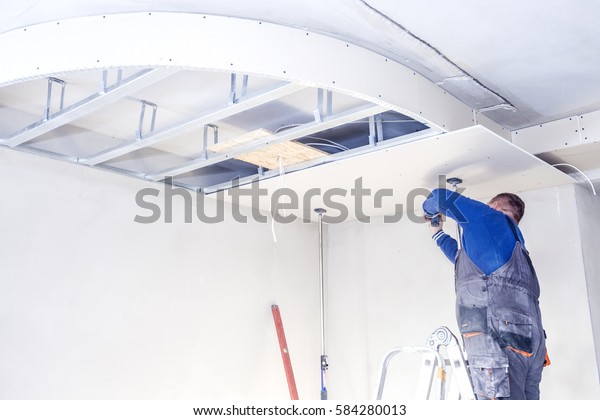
(486, 162)
(518, 63)
(541, 56)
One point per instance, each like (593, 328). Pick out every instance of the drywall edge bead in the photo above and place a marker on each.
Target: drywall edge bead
(205, 42)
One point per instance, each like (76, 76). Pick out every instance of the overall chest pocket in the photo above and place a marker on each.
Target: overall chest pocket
(515, 331)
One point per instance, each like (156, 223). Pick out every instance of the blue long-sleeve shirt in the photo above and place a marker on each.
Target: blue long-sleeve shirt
(487, 237)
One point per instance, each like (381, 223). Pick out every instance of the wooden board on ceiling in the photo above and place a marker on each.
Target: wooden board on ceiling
(272, 156)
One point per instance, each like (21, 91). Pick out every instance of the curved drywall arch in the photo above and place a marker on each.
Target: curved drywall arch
(197, 41)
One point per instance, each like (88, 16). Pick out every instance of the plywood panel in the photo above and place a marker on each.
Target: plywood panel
(272, 156)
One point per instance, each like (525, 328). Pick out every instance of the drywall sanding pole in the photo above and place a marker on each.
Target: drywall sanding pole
(285, 354)
(455, 182)
(324, 363)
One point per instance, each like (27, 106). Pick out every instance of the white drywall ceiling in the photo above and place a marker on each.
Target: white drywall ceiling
(514, 63)
(539, 55)
(486, 163)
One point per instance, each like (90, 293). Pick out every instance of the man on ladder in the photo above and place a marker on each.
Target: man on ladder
(497, 293)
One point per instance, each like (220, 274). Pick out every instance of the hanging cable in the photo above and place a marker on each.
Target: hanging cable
(285, 127)
(273, 210)
(328, 142)
(327, 145)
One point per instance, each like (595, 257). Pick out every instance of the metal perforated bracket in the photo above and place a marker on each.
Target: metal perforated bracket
(215, 133)
(324, 105)
(139, 133)
(105, 85)
(51, 81)
(234, 95)
(375, 129)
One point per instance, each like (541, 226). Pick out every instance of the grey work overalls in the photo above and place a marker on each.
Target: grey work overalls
(500, 321)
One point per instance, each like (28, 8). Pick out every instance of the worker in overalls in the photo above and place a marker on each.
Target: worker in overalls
(497, 293)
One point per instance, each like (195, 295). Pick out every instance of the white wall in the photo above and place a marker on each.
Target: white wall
(390, 286)
(96, 306)
(588, 207)
(554, 238)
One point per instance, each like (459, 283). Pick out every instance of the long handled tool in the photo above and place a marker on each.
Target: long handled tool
(324, 363)
(435, 220)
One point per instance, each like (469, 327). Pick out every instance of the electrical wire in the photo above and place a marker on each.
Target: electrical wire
(342, 147)
(273, 210)
(285, 127)
(327, 145)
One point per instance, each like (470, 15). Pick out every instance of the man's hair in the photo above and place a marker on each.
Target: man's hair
(511, 203)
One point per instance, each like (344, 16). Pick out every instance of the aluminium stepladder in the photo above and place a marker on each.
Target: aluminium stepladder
(444, 372)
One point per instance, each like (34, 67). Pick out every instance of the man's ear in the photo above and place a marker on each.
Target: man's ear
(495, 205)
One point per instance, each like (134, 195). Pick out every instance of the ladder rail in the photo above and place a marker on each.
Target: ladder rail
(453, 368)
(406, 349)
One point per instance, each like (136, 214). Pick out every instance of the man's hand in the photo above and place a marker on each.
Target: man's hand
(440, 224)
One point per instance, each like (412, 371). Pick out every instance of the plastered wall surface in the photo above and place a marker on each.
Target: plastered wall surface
(389, 285)
(588, 207)
(96, 306)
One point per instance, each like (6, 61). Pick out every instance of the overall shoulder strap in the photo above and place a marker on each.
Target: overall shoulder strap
(512, 227)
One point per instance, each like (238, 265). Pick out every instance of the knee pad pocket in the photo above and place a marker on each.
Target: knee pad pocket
(489, 375)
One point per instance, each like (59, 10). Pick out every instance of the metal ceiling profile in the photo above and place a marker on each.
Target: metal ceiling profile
(154, 122)
(157, 152)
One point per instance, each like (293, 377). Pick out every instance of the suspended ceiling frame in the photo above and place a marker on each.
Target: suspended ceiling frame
(237, 48)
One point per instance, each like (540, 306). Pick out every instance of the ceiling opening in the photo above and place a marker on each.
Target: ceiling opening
(198, 129)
